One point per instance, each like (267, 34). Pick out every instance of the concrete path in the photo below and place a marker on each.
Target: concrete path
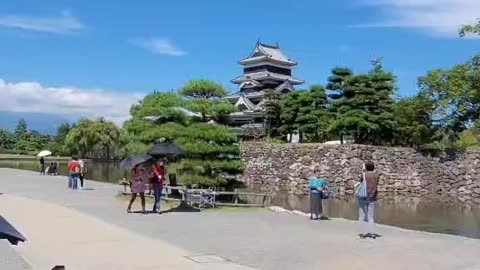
(58, 235)
(257, 239)
(10, 259)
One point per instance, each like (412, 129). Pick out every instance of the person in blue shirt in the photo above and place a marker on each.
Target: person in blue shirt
(317, 189)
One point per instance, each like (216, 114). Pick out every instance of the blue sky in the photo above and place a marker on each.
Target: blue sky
(98, 57)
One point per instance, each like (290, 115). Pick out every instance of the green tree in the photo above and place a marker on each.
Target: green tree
(7, 139)
(21, 130)
(306, 111)
(467, 139)
(109, 137)
(365, 109)
(213, 155)
(336, 91)
(212, 151)
(413, 121)
(58, 146)
(291, 105)
(94, 138)
(273, 112)
(336, 85)
(383, 83)
(203, 98)
(470, 29)
(203, 89)
(455, 93)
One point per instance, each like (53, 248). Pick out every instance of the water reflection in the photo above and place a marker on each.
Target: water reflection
(426, 214)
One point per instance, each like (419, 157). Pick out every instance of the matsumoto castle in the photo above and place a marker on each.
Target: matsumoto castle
(267, 67)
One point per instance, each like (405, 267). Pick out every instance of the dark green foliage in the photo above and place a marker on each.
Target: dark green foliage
(273, 111)
(413, 124)
(95, 139)
(455, 93)
(306, 111)
(211, 150)
(336, 86)
(470, 29)
(21, 131)
(7, 139)
(364, 105)
(203, 89)
(203, 97)
(23, 141)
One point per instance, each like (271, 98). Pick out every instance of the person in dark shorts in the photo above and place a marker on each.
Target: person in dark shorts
(42, 166)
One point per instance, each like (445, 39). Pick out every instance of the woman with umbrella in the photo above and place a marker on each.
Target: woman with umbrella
(42, 156)
(138, 179)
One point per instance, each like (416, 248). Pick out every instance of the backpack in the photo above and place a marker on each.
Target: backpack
(361, 190)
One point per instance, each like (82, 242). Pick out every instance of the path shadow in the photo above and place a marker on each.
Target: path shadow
(321, 218)
(370, 235)
(182, 208)
(88, 189)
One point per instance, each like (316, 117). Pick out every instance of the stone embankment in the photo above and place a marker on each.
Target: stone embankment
(403, 170)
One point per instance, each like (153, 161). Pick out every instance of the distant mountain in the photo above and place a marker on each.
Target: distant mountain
(43, 123)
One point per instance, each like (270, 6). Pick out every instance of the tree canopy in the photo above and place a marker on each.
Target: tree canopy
(212, 151)
(203, 89)
(470, 29)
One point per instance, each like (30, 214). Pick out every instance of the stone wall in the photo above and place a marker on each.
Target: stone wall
(276, 167)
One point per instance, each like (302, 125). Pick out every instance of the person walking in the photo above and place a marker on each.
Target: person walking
(317, 189)
(138, 177)
(158, 181)
(73, 172)
(81, 175)
(42, 166)
(366, 191)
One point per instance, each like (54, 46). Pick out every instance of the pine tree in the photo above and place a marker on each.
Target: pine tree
(366, 109)
(273, 111)
(21, 130)
(383, 83)
(336, 86)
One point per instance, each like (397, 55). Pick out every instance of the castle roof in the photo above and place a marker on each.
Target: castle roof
(264, 52)
(263, 75)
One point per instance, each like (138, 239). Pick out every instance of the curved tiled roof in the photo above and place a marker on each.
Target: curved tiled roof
(268, 52)
(259, 76)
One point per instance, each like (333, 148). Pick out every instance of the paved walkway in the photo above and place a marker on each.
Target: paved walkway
(257, 239)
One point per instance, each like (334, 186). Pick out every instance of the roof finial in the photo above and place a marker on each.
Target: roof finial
(258, 40)
(277, 45)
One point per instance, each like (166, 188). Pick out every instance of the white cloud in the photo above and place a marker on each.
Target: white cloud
(62, 24)
(67, 102)
(160, 46)
(439, 17)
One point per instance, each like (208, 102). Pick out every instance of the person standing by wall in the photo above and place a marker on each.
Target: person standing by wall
(73, 172)
(42, 166)
(366, 191)
(158, 181)
(317, 189)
